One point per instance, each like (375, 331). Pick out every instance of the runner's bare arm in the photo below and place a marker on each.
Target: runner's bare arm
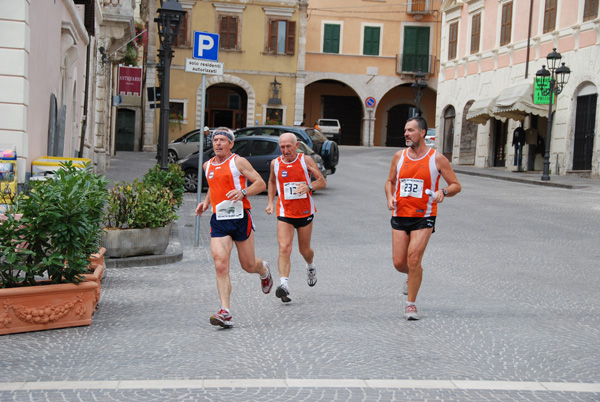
(203, 206)
(390, 184)
(258, 184)
(312, 167)
(272, 190)
(449, 176)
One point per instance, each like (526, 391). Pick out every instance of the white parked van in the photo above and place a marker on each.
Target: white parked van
(331, 128)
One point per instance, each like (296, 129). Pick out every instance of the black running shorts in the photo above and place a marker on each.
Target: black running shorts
(410, 224)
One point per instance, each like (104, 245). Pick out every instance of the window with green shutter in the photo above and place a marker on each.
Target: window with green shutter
(416, 49)
(331, 38)
(371, 41)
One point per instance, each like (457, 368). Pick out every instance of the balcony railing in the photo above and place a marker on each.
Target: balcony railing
(418, 7)
(411, 63)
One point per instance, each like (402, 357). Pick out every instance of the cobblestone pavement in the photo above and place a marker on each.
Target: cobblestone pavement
(509, 306)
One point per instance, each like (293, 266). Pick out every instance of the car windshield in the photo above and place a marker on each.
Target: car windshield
(315, 135)
(328, 123)
(302, 147)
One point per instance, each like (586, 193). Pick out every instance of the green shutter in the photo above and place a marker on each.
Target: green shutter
(416, 49)
(371, 43)
(331, 38)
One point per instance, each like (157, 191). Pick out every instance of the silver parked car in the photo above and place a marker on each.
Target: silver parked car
(187, 145)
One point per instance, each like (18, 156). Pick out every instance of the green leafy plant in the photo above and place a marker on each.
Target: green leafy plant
(60, 226)
(150, 203)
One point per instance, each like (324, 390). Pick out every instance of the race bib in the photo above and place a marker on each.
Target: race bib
(411, 188)
(230, 209)
(289, 188)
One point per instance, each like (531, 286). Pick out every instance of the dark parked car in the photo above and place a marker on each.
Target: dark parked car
(187, 144)
(312, 137)
(259, 150)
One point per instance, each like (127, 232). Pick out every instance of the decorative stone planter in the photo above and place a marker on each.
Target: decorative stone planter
(36, 308)
(132, 242)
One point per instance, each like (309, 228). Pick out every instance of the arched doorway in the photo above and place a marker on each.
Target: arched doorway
(448, 139)
(585, 121)
(397, 116)
(226, 106)
(468, 138)
(333, 99)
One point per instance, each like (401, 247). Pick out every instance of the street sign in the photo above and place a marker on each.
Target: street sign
(206, 46)
(541, 91)
(203, 67)
(370, 102)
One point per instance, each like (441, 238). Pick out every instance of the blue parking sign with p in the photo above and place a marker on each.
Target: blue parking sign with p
(206, 46)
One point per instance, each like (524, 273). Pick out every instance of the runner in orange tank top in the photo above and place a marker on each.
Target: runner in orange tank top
(412, 196)
(231, 221)
(291, 179)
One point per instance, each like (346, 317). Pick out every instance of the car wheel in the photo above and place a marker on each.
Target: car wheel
(172, 157)
(190, 180)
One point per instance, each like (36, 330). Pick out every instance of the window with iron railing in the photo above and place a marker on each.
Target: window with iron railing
(416, 49)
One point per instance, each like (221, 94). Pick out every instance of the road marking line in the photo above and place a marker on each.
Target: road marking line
(303, 383)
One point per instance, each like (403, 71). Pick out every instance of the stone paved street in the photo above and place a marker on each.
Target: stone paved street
(509, 309)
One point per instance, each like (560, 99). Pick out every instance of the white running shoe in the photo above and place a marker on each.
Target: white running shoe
(410, 313)
(405, 288)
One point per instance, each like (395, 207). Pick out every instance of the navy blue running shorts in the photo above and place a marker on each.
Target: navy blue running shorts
(237, 229)
(297, 222)
(410, 224)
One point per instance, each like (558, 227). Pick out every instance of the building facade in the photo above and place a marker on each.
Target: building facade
(56, 77)
(260, 44)
(361, 53)
(490, 53)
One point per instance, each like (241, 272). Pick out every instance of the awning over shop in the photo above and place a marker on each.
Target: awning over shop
(482, 110)
(516, 103)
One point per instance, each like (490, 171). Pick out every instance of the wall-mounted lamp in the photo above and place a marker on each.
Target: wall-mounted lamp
(275, 93)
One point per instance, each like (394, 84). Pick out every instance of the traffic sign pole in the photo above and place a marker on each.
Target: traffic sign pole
(206, 47)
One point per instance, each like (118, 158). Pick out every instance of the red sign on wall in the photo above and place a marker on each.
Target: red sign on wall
(130, 81)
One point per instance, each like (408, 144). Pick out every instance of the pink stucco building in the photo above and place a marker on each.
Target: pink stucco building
(490, 53)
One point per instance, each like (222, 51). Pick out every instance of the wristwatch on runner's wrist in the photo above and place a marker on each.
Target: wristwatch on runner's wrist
(310, 186)
(244, 193)
(445, 192)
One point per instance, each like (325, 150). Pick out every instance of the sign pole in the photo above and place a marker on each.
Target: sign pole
(200, 161)
(370, 112)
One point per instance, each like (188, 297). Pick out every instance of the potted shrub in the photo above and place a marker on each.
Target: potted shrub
(47, 238)
(139, 214)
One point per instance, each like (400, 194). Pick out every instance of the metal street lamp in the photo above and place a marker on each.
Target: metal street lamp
(170, 17)
(420, 84)
(559, 76)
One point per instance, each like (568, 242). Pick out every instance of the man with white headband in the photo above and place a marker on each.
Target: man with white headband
(231, 221)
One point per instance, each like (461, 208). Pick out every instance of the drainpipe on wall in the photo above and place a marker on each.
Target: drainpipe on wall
(528, 38)
(85, 102)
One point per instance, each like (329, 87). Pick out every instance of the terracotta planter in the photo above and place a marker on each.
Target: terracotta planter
(35, 308)
(97, 264)
(132, 242)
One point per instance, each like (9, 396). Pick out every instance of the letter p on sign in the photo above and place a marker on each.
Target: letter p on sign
(206, 46)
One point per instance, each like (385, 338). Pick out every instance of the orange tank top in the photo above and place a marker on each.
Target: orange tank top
(288, 176)
(415, 177)
(222, 178)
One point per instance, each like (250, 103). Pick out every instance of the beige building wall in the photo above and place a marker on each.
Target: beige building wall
(382, 76)
(250, 68)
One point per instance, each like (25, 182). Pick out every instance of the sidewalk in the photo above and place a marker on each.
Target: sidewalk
(568, 182)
